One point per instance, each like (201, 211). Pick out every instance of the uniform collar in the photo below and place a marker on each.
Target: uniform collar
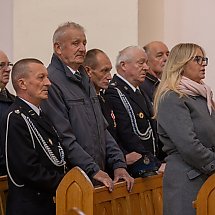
(128, 83)
(35, 108)
(72, 70)
(152, 78)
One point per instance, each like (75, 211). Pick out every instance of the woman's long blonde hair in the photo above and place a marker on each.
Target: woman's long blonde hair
(172, 73)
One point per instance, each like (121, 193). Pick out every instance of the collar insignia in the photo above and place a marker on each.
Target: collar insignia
(31, 112)
(146, 160)
(141, 115)
(17, 111)
(50, 141)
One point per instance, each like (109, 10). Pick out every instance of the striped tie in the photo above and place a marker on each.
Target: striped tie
(78, 76)
(137, 91)
(4, 93)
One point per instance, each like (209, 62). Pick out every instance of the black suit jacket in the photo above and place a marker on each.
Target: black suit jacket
(149, 86)
(108, 114)
(143, 114)
(33, 177)
(5, 102)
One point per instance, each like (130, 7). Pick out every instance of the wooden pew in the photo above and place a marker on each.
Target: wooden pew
(3, 193)
(205, 201)
(74, 211)
(76, 190)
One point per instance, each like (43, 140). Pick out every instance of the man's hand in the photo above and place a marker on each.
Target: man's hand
(104, 178)
(132, 157)
(162, 168)
(121, 173)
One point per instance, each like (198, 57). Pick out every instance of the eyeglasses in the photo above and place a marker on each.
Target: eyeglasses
(4, 65)
(200, 60)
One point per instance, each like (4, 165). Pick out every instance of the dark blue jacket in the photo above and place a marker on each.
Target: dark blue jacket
(5, 102)
(34, 161)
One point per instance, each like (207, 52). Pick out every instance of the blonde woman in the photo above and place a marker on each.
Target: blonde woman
(184, 110)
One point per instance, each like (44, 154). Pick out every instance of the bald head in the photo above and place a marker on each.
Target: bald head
(2, 53)
(157, 53)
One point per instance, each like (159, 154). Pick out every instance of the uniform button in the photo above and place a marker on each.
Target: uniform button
(212, 166)
(38, 193)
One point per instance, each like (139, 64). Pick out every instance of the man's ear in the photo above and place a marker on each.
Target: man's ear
(57, 48)
(89, 71)
(123, 65)
(22, 83)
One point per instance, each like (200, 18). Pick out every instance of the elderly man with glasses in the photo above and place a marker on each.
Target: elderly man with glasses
(6, 99)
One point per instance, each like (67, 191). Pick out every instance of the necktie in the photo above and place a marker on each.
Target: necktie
(44, 119)
(78, 76)
(101, 98)
(4, 93)
(137, 91)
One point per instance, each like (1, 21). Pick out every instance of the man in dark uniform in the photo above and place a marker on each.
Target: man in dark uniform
(74, 109)
(98, 67)
(132, 108)
(6, 99)
(157, 53)
(34, 156)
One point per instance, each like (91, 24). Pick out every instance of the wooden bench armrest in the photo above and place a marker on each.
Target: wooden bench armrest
(75, 190)
(204, 202)
(3, 193)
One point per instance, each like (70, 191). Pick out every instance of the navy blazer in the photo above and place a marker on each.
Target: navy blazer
(5, 102)
(149, 86)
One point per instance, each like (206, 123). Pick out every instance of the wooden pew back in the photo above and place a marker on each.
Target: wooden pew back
(74, 211)
(3, 194)
(204, 203)
(76, 190)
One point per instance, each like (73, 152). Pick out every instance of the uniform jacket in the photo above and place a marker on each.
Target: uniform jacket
(149, 86)
(187, 132)
(33, 178)
(74, 108)
(141, 108)
(5, 102)
(108, 114)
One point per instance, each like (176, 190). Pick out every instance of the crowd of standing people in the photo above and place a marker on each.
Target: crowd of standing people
(155, 115)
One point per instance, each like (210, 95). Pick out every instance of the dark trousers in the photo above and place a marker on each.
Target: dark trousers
(23, 201)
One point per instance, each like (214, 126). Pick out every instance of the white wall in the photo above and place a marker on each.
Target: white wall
(151, 21)
(192, 21)
(6, 30)
(110, 25)
(27, 26)
(174, 21)
(6, 27)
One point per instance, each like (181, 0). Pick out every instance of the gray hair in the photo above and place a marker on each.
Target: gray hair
(60, 31)
(126, 54)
